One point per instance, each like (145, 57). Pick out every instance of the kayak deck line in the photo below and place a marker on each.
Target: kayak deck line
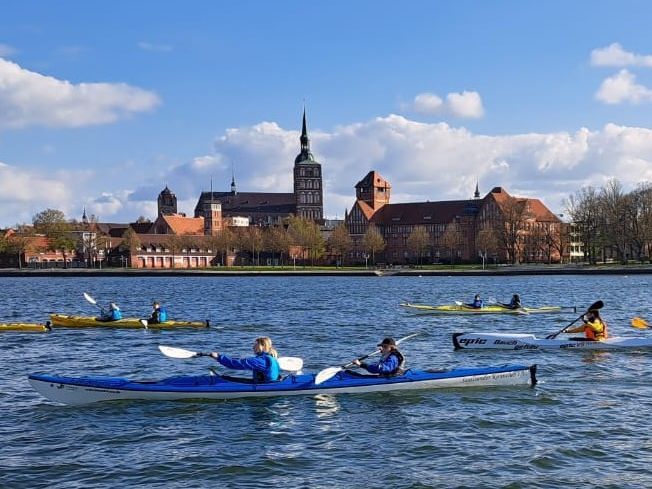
(69, 321)
(522, 341)
(83, 390)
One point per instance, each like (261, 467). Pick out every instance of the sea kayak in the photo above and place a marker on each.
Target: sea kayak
(26, 327)
(83, 390)
(489, 309)
(517, 341)
(66, 321)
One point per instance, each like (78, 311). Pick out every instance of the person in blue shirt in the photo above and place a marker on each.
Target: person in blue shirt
(159, 314)
(477, 302)
(113, 314)
(264, 365)
(391, 362)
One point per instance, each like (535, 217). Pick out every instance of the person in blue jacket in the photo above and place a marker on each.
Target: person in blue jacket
(113, 314)
(264, 365)
(391, 362)
(477, 302)
(159, 314)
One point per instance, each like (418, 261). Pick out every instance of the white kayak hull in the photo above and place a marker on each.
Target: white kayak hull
(518, 341)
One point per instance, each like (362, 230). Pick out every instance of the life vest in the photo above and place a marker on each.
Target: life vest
(271, 373)
(593, 335)
(162, 314)
(116, 314)
(401, 364)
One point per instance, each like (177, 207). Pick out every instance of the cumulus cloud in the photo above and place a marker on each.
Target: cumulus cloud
(463, 105)
(615, 55)
(29, 98)
(422, 161)
(622, 87)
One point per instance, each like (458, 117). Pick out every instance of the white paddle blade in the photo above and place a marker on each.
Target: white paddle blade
(326, 374)
(90, 299)
(458, 303)
(172, 352)
(290, 364)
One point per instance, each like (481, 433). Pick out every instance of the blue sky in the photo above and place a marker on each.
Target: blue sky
(104, 103)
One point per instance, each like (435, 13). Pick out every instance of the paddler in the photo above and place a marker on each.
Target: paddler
(391, 361)
(159, 314)
(113, 314)
(514, 303)
(477, 302)
(264, 364)
(594, 327)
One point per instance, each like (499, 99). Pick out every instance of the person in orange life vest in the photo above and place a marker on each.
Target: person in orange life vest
(594, 327)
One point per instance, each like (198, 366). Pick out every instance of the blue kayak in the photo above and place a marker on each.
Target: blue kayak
(84, 390)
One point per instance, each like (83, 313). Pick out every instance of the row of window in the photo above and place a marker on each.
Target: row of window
(309, 198)
(309, 184)
(309, 172)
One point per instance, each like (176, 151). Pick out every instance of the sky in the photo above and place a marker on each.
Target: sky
(103, 104)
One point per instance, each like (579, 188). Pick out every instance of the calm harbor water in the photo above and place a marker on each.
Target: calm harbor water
(586, 423)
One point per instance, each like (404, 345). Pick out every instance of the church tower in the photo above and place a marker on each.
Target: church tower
(308, 183)
(167, 202)
(374, 190)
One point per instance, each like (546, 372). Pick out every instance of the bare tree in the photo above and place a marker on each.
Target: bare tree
(418, 242)
(451, 239)
(373, 242)
(277, 240)
(486, 242)
(340, 241)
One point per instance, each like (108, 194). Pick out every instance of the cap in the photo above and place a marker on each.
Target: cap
(387, 341)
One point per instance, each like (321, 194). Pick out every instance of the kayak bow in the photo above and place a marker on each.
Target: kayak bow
(25, 327)
(84, 390)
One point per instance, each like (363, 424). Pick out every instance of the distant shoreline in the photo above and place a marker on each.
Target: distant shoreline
(403, 272)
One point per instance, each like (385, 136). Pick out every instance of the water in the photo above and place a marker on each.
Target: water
(584, 425)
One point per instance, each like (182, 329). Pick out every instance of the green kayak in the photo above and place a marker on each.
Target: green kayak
(488, 309)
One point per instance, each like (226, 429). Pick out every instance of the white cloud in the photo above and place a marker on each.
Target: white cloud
(29, 98)
(6, 51)
(463, 105)
(422, 162)
(622, 87)
(615, 55)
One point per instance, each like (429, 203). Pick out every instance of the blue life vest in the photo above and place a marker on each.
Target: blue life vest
(162, 314)
(115, 314)
(273, 371)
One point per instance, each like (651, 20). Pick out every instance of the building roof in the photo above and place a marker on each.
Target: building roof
(184, 225)
(249, 202)
(422, 213)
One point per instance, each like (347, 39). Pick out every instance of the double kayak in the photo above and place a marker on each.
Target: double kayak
(26, 327)
(84, 390)
(517, 341)
(488, 309)
(66, 321)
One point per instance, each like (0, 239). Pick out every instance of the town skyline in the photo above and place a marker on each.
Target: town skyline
(103, 107)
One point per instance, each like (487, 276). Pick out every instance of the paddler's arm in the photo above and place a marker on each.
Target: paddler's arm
(576, 329)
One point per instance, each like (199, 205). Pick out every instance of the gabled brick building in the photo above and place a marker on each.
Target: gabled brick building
(462, 218)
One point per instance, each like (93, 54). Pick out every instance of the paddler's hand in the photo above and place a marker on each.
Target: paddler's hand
(214, 354)
(356, 362)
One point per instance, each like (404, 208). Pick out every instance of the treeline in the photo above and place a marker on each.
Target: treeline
(612, 223)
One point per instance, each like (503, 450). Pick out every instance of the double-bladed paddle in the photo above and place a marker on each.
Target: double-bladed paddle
(90, 300)
(640, 323)
(289, 364)
(327, 373)
(594, 306)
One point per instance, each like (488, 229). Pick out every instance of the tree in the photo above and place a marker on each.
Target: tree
(306, 234)
(451, 239)
(373, 242)
(510, 226)
(340, 241)
(418, 242)
(174, 243)
(277, 240)
(221, 243)
(130, 243)
(486, 242)
(52, 223)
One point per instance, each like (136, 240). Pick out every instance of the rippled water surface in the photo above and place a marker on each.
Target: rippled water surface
(586, 423)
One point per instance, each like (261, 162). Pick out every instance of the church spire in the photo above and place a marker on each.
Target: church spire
(234, 189)
(476, 195)
(305, 154)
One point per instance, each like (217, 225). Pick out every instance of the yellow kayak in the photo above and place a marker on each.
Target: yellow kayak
(26, 327)
(489, 309)
(66, 321)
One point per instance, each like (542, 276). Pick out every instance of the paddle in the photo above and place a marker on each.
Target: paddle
(329, 372)
(640, 323)
(290, 364)
(595, 305)
(93, 301)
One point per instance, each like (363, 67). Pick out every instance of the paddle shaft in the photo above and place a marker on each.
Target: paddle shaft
(595, 305)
